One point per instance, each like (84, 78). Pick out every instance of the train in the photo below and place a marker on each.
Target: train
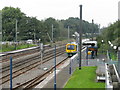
(71, 49)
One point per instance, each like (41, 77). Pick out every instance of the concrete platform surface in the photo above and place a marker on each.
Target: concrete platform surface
(61, 78)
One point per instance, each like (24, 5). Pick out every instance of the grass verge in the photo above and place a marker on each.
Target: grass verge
(12, 47)
(84, 78)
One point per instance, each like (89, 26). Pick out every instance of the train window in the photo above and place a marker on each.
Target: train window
(70, 47)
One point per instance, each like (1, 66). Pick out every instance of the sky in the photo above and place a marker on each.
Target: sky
(103, 12)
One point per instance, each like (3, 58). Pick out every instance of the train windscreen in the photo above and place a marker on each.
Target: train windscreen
(70, 47)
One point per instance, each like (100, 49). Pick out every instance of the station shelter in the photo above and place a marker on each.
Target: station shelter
(91, 49)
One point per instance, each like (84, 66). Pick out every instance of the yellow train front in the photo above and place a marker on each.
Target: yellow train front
(71, 49)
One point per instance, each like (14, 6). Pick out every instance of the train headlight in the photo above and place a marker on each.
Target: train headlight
(89, 52)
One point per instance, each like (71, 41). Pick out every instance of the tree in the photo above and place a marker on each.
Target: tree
(31, 27)
(9, 16)
(112, 33)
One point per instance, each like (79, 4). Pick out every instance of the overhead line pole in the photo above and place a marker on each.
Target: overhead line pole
(68, 33)
(34, 36)
(80, 38)
(52, 34)
(16, 35)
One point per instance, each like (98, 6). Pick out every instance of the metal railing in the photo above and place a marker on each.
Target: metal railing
(112, 76)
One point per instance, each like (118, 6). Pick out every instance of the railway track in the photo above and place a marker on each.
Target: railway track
(33, 62)
(18, 53)
(23, 52)
(25, 68)
(22, 61)
(35, 81)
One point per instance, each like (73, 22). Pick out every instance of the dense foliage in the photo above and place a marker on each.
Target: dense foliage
(32, 28)
(111, 33)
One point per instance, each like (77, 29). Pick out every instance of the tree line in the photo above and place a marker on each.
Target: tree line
(111, 33)
(32, 28)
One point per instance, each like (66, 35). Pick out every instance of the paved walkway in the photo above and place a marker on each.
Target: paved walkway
(61, 78)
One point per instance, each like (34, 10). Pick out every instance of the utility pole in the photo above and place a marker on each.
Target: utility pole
(52, 33)
(16, 35)
(92, 28)
(34, 36)
(68, 34)
(80, 38)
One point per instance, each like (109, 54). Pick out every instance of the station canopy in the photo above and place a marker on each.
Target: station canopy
(92, 43)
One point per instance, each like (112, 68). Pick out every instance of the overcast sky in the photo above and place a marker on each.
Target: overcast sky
(102, 11)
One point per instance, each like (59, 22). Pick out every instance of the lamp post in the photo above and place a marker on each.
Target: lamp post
(80, 38)
(77, 40)
(92, 28)
(55, 68)
(119, 60)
